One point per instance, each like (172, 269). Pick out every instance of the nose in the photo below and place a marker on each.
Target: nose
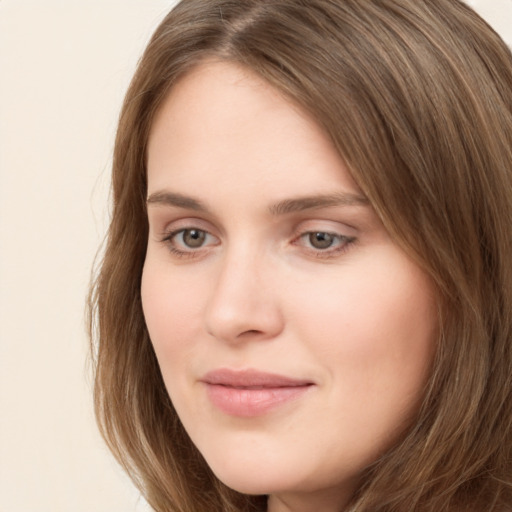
(244, 304)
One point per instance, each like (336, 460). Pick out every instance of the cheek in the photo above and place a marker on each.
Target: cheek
(172, 313)
(367, 310)
(375, 332)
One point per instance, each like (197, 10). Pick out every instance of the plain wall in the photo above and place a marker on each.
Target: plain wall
(64, 67)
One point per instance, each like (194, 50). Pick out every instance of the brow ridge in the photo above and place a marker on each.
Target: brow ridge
(166, 198)
(286, 206)
(318, 201)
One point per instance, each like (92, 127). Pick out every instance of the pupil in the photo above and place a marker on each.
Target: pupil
(194, 237)
(321, 240)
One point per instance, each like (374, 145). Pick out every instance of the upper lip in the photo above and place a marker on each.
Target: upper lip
(251, 379)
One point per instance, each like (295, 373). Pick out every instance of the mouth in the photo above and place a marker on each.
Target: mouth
(249, 393)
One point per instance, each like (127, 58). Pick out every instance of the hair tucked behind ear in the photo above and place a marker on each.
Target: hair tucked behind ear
(417, 97)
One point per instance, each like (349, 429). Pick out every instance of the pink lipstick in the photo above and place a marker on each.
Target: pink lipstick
(250, 392)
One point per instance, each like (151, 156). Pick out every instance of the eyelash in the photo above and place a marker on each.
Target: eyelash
(168, 240)
(344, 243)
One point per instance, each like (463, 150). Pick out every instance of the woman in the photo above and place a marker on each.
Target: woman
(306, 296)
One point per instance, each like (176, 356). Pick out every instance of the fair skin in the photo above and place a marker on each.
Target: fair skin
(294, 336)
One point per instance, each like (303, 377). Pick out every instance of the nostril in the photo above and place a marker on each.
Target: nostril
(251, 331)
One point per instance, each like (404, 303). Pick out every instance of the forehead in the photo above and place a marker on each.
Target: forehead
(222, 124)
(218, 100)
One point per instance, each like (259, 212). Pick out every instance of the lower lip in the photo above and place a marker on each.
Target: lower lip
(248, 402)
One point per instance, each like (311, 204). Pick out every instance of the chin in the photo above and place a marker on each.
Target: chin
(254, 479)
(250, 486)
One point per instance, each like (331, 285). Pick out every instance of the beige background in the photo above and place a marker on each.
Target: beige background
(64, 66)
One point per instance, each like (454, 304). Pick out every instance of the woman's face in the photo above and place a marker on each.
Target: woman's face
(294, 336)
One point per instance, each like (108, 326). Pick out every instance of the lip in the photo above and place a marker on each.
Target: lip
(248, 393)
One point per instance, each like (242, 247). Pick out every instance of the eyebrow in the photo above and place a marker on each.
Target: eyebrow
(317, 201)
(165, 198)
(287, 206)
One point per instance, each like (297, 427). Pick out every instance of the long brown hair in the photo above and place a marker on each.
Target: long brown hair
(417, 97)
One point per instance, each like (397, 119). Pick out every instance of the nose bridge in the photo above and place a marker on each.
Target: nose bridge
(243, 303)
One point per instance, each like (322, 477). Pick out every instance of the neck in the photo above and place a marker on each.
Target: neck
(326, 501)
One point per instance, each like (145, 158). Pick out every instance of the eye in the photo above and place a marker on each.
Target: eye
(324, 244)
(321, 240)
(188, 241)
(192, 238)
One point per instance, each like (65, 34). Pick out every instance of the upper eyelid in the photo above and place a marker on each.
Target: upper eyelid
(333, 227)
(161, 216)
(173, 232)
(164, 227)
